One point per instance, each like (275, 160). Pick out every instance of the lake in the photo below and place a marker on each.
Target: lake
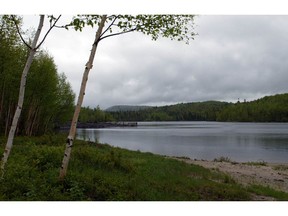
(200, 140)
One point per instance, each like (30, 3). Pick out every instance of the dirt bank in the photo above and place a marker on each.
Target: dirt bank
(272, 175)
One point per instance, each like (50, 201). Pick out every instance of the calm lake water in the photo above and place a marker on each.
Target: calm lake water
(200, 140)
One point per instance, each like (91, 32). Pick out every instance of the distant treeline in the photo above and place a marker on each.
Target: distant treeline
(267, 109)
(94, 115)
(200, 111)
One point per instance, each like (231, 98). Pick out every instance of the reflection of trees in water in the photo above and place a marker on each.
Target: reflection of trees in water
(88, 135)
(274, 142)
(264, 140)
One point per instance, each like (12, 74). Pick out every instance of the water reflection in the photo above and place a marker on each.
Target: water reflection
(201, 140)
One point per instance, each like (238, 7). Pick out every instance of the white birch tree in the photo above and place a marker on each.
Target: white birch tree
(175, 27)
(32, 50)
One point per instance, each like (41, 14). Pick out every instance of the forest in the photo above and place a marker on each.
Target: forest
(49, 99)
(267, 109)
(196, 111)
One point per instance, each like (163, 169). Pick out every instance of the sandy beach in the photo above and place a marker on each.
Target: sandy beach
(267, 174)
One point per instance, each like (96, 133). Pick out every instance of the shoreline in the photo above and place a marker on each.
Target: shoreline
(273, 175)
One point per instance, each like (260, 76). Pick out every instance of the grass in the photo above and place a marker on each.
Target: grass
(267, 191)
(102, 172)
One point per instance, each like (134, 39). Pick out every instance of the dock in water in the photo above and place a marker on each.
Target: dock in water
(106, 124)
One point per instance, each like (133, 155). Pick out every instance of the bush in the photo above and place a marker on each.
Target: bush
(222, 159)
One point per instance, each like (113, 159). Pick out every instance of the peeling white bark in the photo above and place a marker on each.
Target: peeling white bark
(17, 114)
(72, 132)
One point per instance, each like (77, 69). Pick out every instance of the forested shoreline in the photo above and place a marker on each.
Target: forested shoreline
(267, 109)
(197, 111)
(49, 99)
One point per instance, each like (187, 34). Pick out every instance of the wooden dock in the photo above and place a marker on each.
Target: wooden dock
(105, 124)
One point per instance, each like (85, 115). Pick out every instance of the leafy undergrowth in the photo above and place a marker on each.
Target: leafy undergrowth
(102, 172)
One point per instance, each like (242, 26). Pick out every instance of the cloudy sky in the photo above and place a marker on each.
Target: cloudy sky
(233, 56)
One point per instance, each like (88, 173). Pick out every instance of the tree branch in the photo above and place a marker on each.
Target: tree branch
(119, 33)
(63, 26)
(51, 27)
(18, 30)
(116, 17)
(110, 16)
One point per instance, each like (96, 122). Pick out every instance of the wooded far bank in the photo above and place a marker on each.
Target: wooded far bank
(266, 109)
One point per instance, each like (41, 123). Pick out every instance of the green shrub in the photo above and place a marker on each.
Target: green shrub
(222, 159)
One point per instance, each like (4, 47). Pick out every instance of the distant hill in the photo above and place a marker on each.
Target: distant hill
(125, 108)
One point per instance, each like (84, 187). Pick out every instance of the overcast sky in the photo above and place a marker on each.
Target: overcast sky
(231, 57)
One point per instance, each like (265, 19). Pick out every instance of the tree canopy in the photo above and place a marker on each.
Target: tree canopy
(49, 98)
(266, 109)
(175, 27)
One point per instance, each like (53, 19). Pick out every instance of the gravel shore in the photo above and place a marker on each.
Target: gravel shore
(266, 174)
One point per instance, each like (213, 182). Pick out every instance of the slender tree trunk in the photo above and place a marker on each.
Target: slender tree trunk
(72, 132)
(33, 123)
(47, 123)
(2, 98)
(32, 52)
(7, 119)
(28, 119)
(32, 113)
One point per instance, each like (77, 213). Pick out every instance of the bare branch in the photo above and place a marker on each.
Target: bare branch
(18, 30)
(119, 33)
(116, 17)
(63, 26)
(123, 32)
(51, 27)
(110, 16)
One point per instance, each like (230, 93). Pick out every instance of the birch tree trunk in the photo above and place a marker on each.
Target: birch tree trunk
(72, 132)
(10, 139)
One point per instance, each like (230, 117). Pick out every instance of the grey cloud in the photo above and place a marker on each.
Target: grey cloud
(232, 57)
